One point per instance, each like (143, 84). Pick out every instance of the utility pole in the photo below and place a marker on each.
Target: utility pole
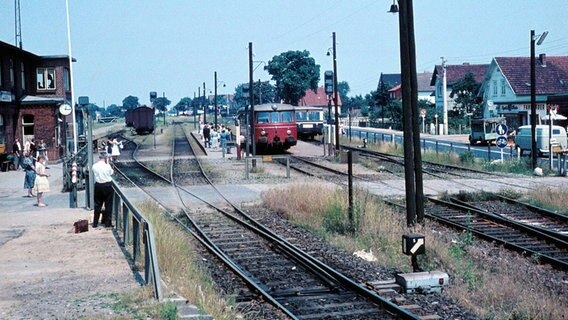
(412, 155)
(215, 99)
(251, 102)
(335, 97)
(445, 96)
(206, 106)
(18, 21)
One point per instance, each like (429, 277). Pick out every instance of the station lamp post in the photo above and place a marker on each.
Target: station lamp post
(538, 39)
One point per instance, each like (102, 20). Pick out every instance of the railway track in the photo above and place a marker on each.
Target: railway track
(513, 235)
(277, 272)
(529, 230)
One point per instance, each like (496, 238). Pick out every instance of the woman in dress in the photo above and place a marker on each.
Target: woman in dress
(30, 176)
(41, 182)
(115, 150)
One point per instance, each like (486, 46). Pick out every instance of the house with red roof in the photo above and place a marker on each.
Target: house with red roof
(425, 89)
(506, 88)
(454, 73)
(317, 98)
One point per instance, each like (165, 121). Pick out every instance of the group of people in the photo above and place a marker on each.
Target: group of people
(33, 149)
(112, 148)
(33, 160)
(216, 137)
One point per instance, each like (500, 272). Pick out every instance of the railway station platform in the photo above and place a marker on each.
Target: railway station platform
(48, 271)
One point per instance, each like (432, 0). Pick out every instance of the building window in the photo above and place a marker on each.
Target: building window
(28, 126)
(45, 78)
(503, 87)
(66, 80)
(23, 75)
(494, 88)
(11, 73)
(439, 90)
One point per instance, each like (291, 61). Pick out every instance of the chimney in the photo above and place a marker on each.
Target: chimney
(542, 59)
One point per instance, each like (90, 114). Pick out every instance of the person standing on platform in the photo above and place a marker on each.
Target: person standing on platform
(33, 151)
(41, 181)
(30, 176)
(102, 171)
(207, 136)
(18, 154)
(115, 150)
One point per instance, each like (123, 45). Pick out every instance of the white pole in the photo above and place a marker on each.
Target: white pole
(74, 119)
(445, 96)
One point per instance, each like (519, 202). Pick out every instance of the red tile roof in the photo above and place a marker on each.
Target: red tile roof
(457, 72)
(318, 99)
(551, 78)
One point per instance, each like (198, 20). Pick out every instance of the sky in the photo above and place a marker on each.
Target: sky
(132, 47)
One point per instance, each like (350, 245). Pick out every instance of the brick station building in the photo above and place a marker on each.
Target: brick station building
(32, 88)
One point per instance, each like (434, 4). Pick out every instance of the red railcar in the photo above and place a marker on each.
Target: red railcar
(274, 127)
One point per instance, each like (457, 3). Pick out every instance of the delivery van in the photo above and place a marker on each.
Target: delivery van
(523, 138)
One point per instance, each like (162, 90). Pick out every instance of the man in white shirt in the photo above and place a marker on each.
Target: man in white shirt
(102, 172)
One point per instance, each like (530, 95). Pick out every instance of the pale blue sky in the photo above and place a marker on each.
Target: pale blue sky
(128, 47)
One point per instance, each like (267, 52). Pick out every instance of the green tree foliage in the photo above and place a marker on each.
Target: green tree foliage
(113, 111)
(464, 92)
(294, 73)
(161, 103)
(184, 104)
(263, 90)
(130, 102)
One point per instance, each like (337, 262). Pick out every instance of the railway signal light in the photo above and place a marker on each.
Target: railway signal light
(328, 82)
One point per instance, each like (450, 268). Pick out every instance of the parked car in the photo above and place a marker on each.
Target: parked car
(523, 138)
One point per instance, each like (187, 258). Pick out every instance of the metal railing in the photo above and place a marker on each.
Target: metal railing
(135, 232)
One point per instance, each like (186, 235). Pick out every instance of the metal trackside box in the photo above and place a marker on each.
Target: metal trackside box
(423, 282)
(413, 244)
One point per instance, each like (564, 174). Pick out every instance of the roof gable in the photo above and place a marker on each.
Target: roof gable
(390, 79)
(316, 99)
(551, 77)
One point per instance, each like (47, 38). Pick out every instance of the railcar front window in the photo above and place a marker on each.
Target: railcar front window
(263, 117)
(313, 116)
(287, 116)
(301, 116)
(274, 117)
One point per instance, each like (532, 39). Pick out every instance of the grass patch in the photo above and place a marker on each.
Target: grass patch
(491, 281)
(550, 199)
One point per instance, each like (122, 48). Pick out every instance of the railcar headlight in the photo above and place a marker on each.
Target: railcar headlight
(263, 133)
(288, 132)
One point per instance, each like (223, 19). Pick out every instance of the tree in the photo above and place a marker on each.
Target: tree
(113, 111)
(161, 103)
(464, 92)
(183, 105)
(130, 102)
(294, 73)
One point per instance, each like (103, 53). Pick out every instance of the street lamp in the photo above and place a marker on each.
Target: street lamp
(538, 39)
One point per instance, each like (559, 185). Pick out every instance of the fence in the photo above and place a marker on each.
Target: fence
(136, 233)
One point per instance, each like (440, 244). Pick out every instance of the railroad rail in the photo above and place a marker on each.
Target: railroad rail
(512, 235)
(293, 281)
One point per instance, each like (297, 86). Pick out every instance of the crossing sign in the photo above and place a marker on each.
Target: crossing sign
(501, 129)
(501, 142)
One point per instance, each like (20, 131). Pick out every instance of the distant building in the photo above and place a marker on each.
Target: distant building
(454, 73)
(32, 88)
(317, 99)
(425, 89)
(506, 88)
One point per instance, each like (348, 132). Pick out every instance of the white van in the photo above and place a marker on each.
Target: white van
(523, 138)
